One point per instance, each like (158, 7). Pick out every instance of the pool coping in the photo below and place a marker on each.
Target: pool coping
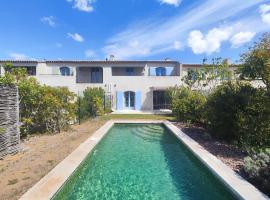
(47, 187)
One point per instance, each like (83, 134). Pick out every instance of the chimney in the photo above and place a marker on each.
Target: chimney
(112, 58)
(227, 61)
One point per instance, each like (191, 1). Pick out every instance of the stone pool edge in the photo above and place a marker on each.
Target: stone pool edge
(48, 186)
(241, 188)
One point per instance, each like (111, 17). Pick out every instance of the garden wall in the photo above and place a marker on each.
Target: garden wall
(9, 120)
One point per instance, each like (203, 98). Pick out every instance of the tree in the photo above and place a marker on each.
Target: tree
(256, 62)
(209, 76)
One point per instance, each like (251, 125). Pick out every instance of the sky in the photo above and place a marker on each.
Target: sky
(184, 30)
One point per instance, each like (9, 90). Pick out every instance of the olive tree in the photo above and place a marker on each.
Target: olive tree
(256, 62)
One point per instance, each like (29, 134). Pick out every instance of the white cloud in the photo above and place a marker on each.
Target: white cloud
(240, 38)
(150, 37)
(75, 36)
(177, 45)
(176, 3)
(83, 5)
(19, 56)
(89, 53)
(265, 13)
(209, 43)
(50, 20)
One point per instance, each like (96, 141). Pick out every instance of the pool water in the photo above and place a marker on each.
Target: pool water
(142, 161)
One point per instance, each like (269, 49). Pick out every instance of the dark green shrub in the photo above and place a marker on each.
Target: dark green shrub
(92, 104)
(257, 168)
(186, 104)
(237, 111)
(44, 108)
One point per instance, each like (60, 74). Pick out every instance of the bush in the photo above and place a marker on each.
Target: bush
(42, 108)
(91, 104)
(237, 111)
(187, 104)
(257, 168)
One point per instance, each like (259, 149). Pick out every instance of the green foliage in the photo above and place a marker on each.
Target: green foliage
(257, 168)
(91, 104)
(237, 111)
(12, 75)
(2, 130)
(42, 108)
(256, 62)
(209, 76)
(186, 104)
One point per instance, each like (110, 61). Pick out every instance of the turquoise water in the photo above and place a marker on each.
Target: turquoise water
(142, 161)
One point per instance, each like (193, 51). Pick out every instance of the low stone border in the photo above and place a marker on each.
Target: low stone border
(235, 183)
(47, 187)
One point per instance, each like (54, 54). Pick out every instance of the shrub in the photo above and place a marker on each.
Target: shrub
(42, 108)
(58, 109)
(186, 104)
(257, 168)
(237, 111)
(91, 104)
(2, 130)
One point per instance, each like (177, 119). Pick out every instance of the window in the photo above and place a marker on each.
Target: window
(130, 71)
(31, 71)
(65, 71)
(160, 100)
(160, 71)
(96, 75)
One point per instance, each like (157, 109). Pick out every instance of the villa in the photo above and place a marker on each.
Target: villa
(131, 85)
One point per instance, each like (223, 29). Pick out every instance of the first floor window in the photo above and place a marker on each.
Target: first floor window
(96, 75)
(65, 71)
(31, 71)
(160, 71)
(130, 71)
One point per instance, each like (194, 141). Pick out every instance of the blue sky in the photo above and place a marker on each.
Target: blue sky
(186, 30)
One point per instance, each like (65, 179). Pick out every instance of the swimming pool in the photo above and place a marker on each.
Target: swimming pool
(142, 161)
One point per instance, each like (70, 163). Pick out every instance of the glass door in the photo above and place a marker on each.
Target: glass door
(129, 98)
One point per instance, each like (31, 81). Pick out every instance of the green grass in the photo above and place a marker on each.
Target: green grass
(138, 116)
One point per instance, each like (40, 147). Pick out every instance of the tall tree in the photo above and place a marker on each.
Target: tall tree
(256, 62)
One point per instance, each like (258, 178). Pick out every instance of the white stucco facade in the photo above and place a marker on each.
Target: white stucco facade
(114, 79)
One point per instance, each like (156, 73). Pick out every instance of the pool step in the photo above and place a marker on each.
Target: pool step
(149, 133)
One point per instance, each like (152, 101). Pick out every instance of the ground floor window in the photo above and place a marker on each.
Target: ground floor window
(129, 98)
(160, 100)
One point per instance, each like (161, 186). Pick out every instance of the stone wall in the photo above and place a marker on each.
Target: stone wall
(9, 120)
